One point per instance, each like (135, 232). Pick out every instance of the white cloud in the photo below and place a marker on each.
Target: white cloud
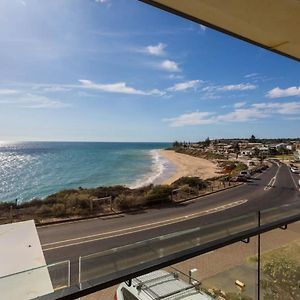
(237, 87)
(175, 76)
(182, 86)
(102, 1)
(56, 88)
(119, 87)
(156, 50)
(194, 118)
(284, 108)
(242, 115)
(8, 92)
(245, 114)
(169, 65)
(156, 92)
(251, 75)
(34, 101)
(239, 104)
(213, 91)
(37, 101)
(279, 93)
(202, 27)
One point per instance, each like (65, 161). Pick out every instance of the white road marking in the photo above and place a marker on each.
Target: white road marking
(270, 184)
(273, 179)
(125, 231)
(294, 180)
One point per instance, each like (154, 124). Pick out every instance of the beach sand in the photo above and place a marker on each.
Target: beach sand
(187, 165)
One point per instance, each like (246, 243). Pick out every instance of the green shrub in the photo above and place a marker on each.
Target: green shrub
(84, 204)
(5, 206)
(124, 202)
(58, 210)
(159, 193)
(44, 211)
(34, 202)
(191, 182)
(281, 277)
(104, 191)
(241, 166)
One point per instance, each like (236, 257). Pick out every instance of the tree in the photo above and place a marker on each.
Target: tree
(256, 152)
(206, 142)
(252, 139)
(176, 144)
(281, 278)
(236, 149)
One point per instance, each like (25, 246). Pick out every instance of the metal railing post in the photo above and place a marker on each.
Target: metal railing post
(258, 258)
(79, 271)
(69, 273)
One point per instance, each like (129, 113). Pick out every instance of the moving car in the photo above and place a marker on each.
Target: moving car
(160, 285)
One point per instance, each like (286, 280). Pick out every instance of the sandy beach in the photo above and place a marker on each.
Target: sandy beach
(187, 165)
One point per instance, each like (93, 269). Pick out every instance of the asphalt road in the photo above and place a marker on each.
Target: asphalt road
(68, 241)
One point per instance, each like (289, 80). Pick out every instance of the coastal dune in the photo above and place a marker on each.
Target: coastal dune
(187, 165)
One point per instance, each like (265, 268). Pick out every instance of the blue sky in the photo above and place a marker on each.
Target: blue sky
(120, 70)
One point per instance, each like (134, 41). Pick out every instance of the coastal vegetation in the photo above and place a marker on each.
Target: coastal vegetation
(199, 153)
(87, 202)
(81, 202)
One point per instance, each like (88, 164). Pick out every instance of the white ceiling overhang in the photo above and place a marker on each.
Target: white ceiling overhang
(271, 24)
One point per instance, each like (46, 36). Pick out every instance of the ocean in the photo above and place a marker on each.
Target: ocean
(37, 169)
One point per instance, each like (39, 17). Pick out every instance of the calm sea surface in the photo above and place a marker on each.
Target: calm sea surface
(37, 169)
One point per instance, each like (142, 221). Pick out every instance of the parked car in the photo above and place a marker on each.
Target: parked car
(160, 285)
(295, 170)
(245, 174)
(264, 167)
(240, 178)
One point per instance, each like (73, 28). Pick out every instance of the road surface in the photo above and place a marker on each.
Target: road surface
(68, 241)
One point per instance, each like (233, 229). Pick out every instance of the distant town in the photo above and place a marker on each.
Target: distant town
(244, 149)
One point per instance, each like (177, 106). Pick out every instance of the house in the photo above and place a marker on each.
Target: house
(263, 150)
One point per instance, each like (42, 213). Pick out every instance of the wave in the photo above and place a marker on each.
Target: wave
(160, 168)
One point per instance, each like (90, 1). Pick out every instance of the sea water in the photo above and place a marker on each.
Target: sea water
(37, 169)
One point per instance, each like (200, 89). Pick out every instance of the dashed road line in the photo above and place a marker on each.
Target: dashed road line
(270, 184)
(273, 179)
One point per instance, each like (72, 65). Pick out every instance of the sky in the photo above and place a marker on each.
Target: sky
(121, 70)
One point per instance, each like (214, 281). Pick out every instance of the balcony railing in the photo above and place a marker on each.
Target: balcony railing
(107, 268)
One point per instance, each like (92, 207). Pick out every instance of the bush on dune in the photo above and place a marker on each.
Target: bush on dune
(105, 191)
(159, 193)
(44, 211)
(193, 182)
(129, 201)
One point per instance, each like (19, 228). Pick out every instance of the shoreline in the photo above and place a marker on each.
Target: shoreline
(168, 167)
(187, 165)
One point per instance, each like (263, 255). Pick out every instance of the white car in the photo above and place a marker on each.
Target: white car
(245, 174)
(160, 285)
(294, 170)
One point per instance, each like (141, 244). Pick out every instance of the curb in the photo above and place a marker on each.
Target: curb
(70, 220)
